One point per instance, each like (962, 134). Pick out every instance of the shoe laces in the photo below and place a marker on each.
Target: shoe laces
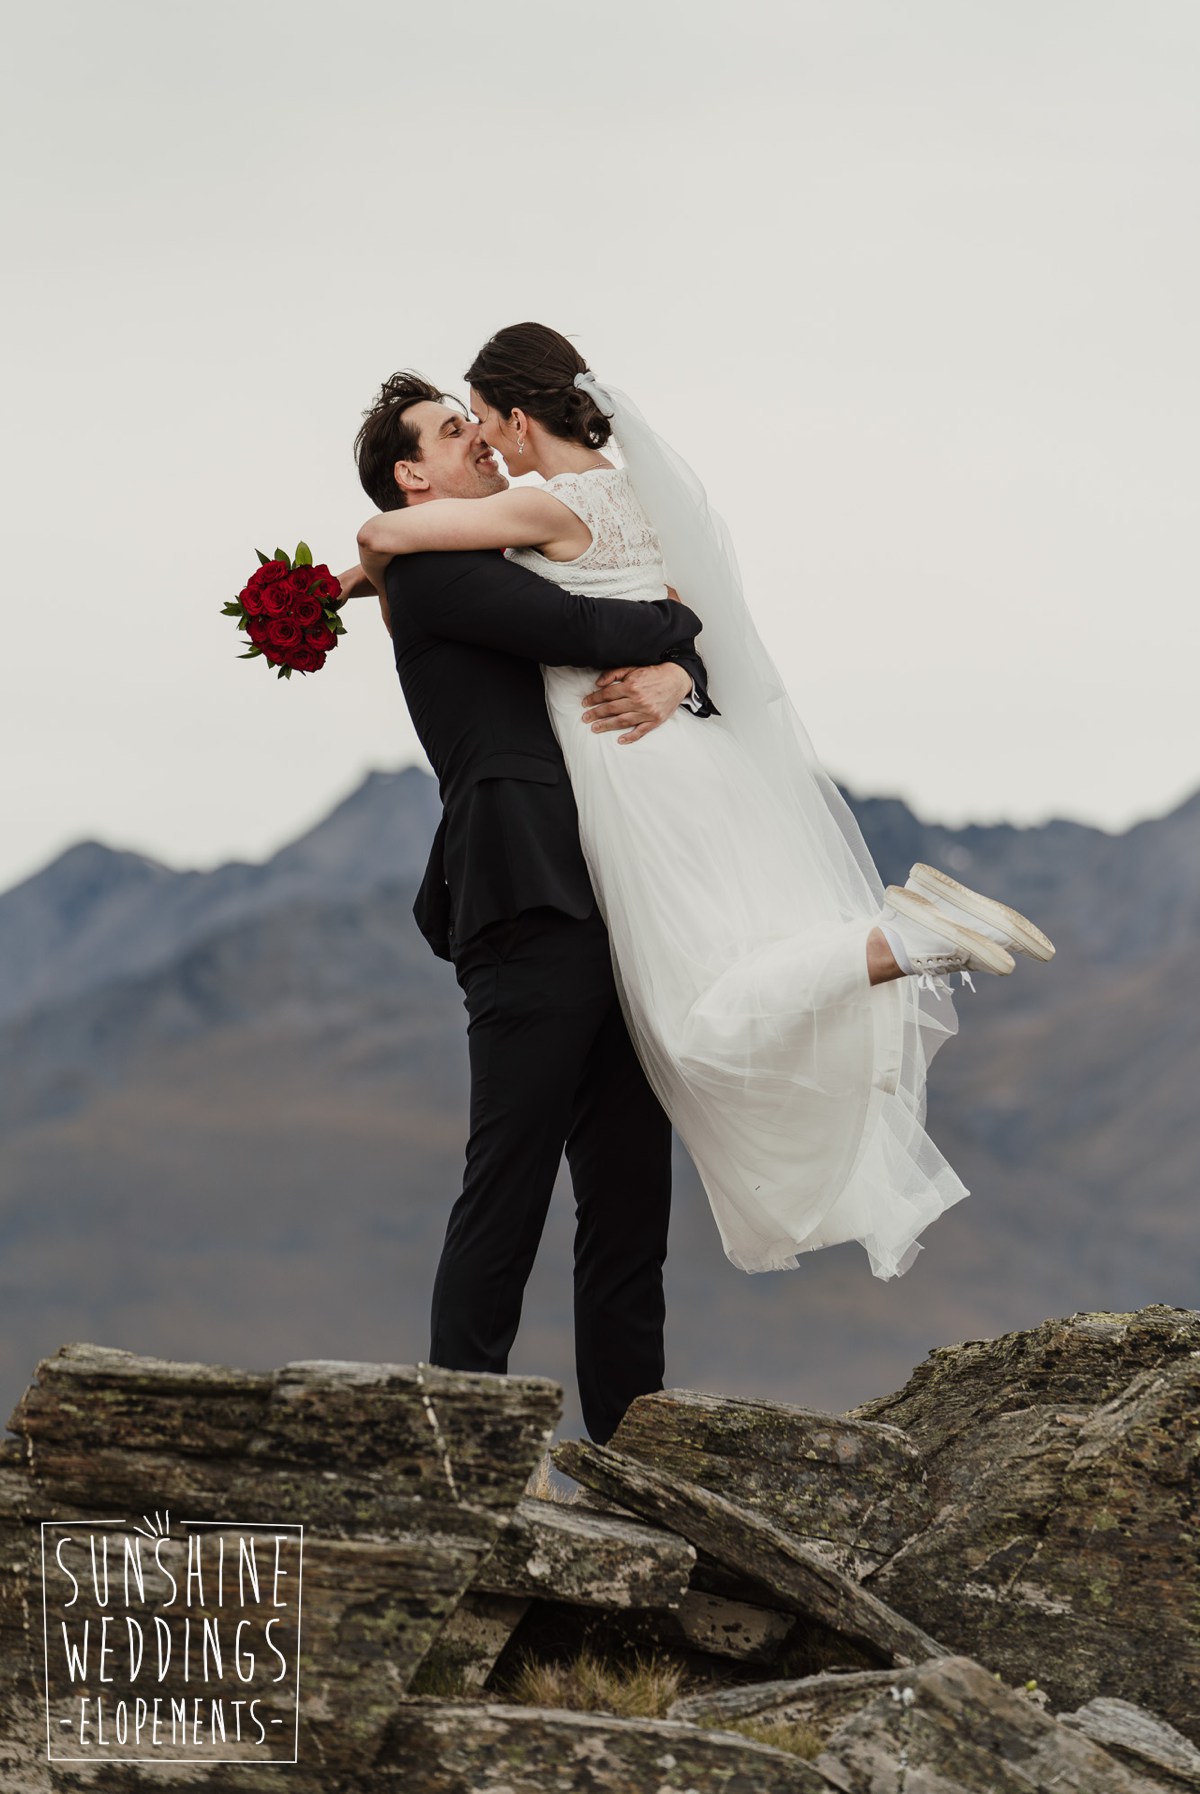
(941, 986)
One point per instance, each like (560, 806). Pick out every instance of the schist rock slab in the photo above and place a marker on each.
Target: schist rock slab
(853, 1488)
(341, 1444)
(736, 1629)
(455, 1748)
(824, 1702)
(793, 1578)
(1073, 1556)
(950, 1403)
(564, 1552)
(960, 1731)
(1140, 1739)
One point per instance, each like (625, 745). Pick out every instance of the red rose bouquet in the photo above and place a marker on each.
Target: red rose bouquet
(288, 610)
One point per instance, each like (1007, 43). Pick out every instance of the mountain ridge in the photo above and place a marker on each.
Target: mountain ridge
(94, 912)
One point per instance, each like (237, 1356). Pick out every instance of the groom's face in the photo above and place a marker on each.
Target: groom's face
(455, 462)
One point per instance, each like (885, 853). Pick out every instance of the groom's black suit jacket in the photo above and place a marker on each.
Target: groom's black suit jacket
(469, 631)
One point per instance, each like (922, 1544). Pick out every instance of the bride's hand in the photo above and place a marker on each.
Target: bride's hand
(637, 699)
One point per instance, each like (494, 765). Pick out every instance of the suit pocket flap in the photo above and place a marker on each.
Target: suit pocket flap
(516, 766)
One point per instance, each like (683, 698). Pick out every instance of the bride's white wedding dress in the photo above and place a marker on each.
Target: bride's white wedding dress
(738, 920)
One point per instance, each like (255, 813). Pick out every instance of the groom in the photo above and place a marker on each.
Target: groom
(506, 897)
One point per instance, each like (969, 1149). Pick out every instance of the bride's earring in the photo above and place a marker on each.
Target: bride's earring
(520, 445)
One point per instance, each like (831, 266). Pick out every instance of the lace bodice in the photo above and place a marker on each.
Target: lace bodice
(623, 559)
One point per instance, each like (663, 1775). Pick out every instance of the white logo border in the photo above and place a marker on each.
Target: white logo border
(295, 1526)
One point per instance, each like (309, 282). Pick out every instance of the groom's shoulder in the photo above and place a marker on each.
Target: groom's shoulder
(432, 570)
(423, 588)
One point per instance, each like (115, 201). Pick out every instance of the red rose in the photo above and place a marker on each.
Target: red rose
(289, 613)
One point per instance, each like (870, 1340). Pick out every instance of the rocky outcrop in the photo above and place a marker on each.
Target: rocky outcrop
(1009, 1537)
(401, 1478)
(951, 1726)
(962, 1406)
(942, 1725)
(1065, 1546)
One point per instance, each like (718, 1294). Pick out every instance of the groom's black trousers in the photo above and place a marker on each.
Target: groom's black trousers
(552, 1066)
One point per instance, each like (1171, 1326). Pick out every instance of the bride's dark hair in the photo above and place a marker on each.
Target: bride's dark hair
(532, 367)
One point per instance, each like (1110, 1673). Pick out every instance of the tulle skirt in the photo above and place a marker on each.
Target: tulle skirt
(797, 1087)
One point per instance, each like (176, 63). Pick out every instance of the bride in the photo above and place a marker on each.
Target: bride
(784, 1008)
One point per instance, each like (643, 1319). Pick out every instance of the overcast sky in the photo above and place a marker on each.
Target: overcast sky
(914, 287)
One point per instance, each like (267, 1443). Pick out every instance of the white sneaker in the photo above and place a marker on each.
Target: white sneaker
(1007, 927)
(936, 944)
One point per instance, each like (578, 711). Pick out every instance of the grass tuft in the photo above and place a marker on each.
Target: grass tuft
(791, 1735)
(637, 1688)
(542, 1486)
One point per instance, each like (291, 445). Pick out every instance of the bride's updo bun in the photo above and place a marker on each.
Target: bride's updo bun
(532, 368)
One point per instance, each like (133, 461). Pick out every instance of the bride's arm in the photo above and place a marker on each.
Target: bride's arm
(521, 518)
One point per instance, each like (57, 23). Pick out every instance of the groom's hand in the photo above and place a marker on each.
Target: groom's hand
(636, 699)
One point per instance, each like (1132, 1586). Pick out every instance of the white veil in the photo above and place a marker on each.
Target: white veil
(746, 685)
(749, 1089)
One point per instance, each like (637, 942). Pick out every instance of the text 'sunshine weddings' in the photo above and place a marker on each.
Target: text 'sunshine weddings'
(139, 1631)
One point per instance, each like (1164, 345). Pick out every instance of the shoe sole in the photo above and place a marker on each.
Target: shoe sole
(1030, 939)
(989, 956)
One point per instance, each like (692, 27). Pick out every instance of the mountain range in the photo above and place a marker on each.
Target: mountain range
(233, 1106)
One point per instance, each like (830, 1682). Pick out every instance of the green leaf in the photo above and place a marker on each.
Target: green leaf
(303, 555)
(263, 558)
(280, 556)
(232, 609)
(254, 652)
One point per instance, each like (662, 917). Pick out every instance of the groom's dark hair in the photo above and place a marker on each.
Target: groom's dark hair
(387, 437)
